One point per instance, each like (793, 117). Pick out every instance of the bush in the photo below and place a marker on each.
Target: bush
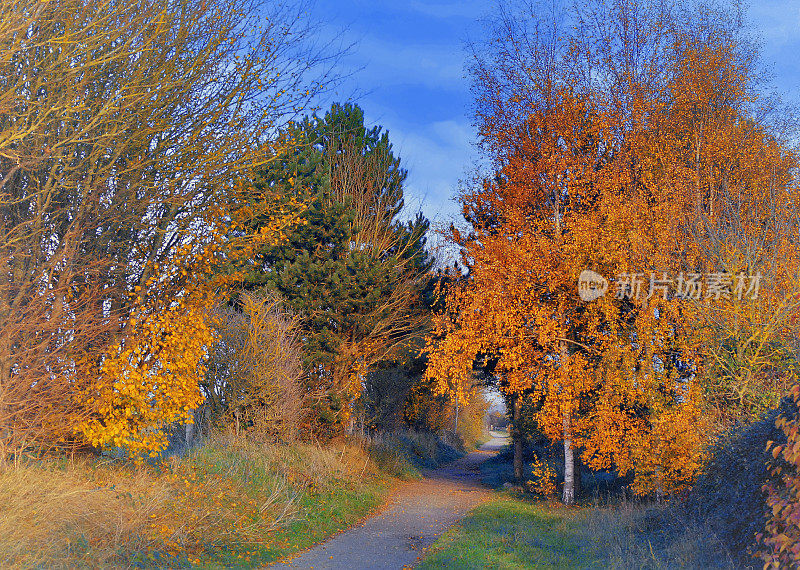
(385, 392)
(403, 453)
(253, 380)
(727, 496)
(781, 539)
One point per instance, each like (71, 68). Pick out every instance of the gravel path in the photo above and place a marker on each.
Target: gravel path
(417, 512)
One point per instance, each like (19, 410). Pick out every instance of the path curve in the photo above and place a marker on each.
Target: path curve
(416, 514)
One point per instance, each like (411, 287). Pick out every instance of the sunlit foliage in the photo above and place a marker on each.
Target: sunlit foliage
(125, 130)
(623, 153)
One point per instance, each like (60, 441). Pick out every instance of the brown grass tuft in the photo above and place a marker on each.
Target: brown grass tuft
(59, 515)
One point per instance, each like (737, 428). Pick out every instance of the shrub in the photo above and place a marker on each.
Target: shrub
(543, 480)
(781, 536)
(386, 390)
(253, 379)
(403, 453)
(728, 496)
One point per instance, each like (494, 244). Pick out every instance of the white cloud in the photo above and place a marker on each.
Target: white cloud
(436, 156)
(458, 9)
(388, 63)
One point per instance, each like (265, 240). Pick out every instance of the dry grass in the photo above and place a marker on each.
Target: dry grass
(55, 514)
(634, 535)
(227, 496)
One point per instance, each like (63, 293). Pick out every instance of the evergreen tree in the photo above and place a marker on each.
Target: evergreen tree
(351, 269)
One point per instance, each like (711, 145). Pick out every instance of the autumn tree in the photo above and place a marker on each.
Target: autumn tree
(592, 117)
(253, 378)
(125, 128)
(731, 173)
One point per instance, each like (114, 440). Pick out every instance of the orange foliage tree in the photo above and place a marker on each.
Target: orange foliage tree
(622, 145)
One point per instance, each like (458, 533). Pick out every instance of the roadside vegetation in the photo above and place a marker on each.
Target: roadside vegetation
(632, 149)
(212, 295)
(513, 532)
(227, 502)
(714, 525)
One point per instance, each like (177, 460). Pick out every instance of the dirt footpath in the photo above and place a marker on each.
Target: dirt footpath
(416, 514)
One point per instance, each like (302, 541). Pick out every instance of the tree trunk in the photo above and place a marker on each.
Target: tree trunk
(569, 465)
(569, 452)
(455, 426)
(5, 375)
(516, 435)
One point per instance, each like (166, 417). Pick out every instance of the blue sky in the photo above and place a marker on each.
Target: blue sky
(410, 56)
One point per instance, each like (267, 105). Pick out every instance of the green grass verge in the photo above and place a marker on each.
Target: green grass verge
(509, 533)
(332, 490)
(321, 515)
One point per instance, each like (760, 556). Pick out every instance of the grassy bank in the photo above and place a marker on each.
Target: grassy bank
(227, 503)
(512, 533)
(509, 533)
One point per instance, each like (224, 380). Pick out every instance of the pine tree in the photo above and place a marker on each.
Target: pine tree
(351, 269)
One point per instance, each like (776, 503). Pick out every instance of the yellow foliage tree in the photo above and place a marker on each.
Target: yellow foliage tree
(152, 376)
(125, 128)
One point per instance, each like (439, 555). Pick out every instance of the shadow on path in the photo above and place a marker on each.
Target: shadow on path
(417, 513)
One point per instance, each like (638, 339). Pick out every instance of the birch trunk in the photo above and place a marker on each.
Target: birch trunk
(569, 453)
(569, 465)
(516, 434)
